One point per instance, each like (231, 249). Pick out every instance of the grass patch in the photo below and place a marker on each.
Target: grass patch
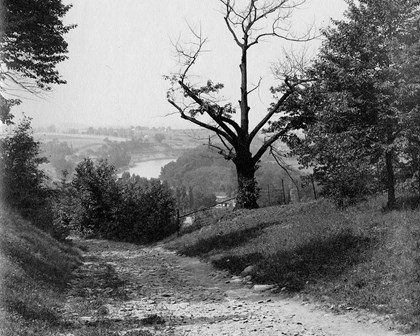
(35, 270)
(362, 257)
(222, 241)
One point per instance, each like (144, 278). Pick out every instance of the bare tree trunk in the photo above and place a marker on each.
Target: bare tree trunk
(246, 22)
(390, 179)
(248, 191)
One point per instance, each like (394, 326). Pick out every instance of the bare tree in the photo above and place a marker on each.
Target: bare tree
(248, 25)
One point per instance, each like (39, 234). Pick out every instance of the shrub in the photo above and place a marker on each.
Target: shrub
(148, 208)
(130, 208)
(97, 195)
(22, 182)
(24, 185)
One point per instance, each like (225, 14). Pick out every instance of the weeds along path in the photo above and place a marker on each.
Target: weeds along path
(125, 289)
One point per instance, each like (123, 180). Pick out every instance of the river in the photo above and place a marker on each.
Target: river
(149, 169)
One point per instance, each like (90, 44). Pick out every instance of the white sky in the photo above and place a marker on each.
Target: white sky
(121, 49)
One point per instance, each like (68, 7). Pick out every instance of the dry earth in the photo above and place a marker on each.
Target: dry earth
(136, 291)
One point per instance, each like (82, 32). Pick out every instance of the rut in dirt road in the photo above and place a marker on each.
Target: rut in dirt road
(125, 289)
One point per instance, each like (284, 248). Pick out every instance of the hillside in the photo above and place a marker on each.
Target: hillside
(35, 270)
(361, 259)
(317, 259)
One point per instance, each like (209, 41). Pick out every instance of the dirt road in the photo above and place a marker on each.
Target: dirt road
(125, 289)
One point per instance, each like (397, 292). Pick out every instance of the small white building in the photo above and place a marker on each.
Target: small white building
(223, 201)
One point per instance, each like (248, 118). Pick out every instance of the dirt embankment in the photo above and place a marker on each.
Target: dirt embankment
(125, 289)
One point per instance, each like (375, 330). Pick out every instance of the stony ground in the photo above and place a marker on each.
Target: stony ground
(141, 291)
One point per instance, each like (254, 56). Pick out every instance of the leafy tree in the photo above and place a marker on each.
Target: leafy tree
(98, 194)
(31, 45)
(115, 153)
(362, 106)
(248, 26)
(22, 181)
(186, 173)
(129, 208)
(66, 208)
(57, 153)
(146, 212)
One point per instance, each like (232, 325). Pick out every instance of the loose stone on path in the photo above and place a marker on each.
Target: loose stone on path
(182, 296)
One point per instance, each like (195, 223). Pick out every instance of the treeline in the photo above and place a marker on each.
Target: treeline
(126, 132)
(199, 175)
(63, 157)
(95, 202)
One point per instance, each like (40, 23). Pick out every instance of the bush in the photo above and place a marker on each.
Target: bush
(129, 209)
(24, 186)
(96, 196)
(148, 208)
(22, 182)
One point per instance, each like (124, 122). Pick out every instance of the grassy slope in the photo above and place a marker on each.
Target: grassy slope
(34, 272)
(359, 258)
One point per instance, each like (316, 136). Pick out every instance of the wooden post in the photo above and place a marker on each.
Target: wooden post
(178, 223)
(313, 185)
(284, 193)
(297, 188)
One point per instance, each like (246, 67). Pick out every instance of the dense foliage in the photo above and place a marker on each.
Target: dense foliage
(115, 152)
(31, 46)
(58, 154)
(95, 202)
(22, 181)
(360, 112)
(147, 208)
(130, 208)
(197, 176)
(192, 191)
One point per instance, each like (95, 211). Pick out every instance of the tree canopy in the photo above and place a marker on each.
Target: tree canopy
(361, 108)
(22, 181)
(31, 45)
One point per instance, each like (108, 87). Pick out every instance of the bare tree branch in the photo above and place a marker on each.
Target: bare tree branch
(266, 145)
(210, 111)
(248, 24)
(282, 164)
(293, 64)
(255, 87)
(268, 116)
(198, 122)
(250, 19)
(15, 85)
(229, 155)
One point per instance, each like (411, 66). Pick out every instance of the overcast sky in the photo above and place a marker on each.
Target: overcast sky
(122, 48)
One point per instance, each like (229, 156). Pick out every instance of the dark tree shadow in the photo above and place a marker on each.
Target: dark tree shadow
(326, 259)
(223, 242)
(236, 264)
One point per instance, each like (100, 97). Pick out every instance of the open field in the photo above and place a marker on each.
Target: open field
(358, 259)
(76, 141)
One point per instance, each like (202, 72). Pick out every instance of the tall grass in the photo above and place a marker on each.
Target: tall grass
(35, 269)
(362, 257)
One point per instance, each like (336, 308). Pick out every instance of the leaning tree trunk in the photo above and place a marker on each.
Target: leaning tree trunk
(390, 179)
(248, 190)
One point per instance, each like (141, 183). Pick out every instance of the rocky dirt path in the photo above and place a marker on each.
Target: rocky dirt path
(125, 289)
